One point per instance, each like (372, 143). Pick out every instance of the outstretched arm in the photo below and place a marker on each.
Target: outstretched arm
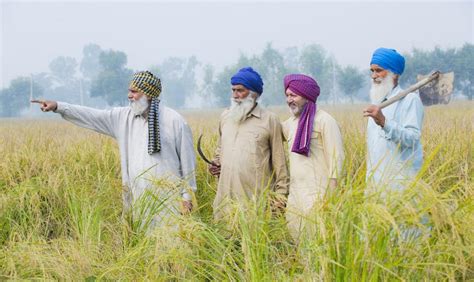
(102, 121)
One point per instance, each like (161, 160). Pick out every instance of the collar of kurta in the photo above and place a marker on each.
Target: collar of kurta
(256, 112)
(394, 92)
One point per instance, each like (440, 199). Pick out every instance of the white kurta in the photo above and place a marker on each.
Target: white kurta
(309, 176)
(140, 171)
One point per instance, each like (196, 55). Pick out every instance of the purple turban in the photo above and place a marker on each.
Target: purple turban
(308, 88)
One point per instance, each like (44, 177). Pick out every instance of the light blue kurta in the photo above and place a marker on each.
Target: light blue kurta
(395, 153)
(140, 171)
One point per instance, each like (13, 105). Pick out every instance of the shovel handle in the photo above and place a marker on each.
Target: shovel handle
(434, 75)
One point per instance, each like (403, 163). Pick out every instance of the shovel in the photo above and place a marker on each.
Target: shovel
(435, 88)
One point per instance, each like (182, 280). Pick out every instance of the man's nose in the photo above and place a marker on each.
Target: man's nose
(374, 75)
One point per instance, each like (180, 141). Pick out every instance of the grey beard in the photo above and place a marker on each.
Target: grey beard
(239, 111)
(296, 112)
(140, 106)
(379, 91)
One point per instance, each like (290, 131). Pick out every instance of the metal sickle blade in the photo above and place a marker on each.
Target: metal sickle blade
(201, 153)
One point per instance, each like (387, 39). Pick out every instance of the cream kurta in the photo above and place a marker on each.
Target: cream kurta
(309, 176)
(252, 157)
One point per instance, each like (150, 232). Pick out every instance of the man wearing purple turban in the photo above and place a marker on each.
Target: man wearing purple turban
(394, 152)
(316, 149)
(250, 156)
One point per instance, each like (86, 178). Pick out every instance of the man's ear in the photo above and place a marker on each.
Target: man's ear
(148, 98)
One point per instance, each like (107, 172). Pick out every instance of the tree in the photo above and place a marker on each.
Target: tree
(464, 70)
(16, 97)
(112, 81)
(272, 68)
(63, 69)
(291, 58)
(424, 62)
(350, 81)
(315, 62)
(178, 79)
(90, 63)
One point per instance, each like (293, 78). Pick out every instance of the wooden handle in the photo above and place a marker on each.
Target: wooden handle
(434, 75)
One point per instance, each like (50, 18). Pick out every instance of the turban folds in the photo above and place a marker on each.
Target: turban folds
(150, 85)
(147, 83)
(249, 78)
(308, 88)
(389, 59)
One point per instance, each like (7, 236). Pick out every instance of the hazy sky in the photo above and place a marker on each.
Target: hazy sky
(35, 32)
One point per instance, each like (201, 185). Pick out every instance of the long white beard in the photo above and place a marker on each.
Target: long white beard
(139, 106)
(240, 108)
(379, 91)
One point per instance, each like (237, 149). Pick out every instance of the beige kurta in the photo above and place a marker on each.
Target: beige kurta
(309, 176)
(252, 157)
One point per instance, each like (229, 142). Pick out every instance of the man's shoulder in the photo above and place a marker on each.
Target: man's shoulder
(171, 114)
(225, 112)
(265, 113)
(323, 116)
(413, 98)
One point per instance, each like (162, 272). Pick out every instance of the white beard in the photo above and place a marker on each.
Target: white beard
(240, 108)
(379, 91)
(139, 106)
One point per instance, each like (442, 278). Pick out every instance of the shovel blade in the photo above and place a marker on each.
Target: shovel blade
(437, 91)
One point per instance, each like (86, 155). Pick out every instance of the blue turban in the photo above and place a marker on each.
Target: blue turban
(248, 78)
(389, 59)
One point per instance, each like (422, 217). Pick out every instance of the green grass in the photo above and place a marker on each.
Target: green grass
(61, 214)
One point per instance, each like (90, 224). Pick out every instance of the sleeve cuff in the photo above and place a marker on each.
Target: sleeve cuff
(387, 128)
(60, 108)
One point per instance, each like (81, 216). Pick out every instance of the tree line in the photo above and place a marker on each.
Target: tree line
(101, 77)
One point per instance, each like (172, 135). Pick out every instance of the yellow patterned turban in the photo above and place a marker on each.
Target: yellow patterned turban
(147, 83)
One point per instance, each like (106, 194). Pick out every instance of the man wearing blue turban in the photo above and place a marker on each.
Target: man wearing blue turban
(394, 151)
(250, 156)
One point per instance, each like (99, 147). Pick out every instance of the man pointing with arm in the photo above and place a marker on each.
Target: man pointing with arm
(154, 140)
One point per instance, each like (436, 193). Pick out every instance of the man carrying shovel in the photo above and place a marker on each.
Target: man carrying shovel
(394, 151)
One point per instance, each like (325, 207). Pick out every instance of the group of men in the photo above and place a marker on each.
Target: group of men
(250, 160)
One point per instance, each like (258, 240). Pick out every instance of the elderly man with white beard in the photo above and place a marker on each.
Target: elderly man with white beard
(155, 142)
(394, 149)
(250, 156)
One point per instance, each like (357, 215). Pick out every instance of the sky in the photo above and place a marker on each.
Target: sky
(35, 32)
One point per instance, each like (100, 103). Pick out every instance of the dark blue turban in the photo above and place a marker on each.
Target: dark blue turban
(389, 59)
(249, 78)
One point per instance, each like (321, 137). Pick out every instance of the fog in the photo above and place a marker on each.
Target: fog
(217, 33)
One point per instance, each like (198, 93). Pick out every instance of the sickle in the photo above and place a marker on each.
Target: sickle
(201, 153)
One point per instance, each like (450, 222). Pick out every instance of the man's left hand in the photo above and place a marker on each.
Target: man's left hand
(187, 207)
(375, 112)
